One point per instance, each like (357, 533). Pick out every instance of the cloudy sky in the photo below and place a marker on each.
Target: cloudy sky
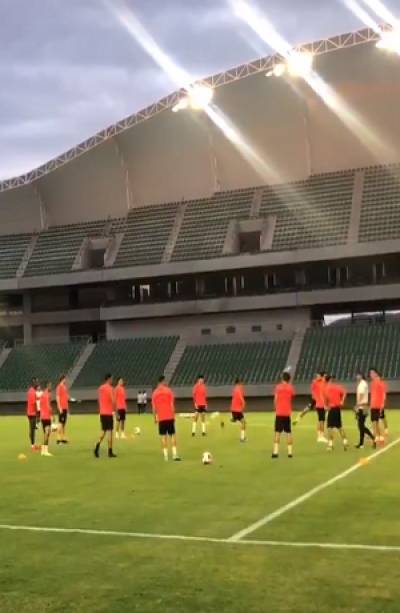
(68, 67)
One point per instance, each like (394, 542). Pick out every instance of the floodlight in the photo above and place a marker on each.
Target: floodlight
(279, 70)
(390, 41)
(200, 97)
(300, 64)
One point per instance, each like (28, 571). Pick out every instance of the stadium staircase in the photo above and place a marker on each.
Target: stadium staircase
(295, 350)
(256, 203)
(354, 226)
(170, 246)
(4, 353)
(175, 358)
(80, 363)
(27, 255)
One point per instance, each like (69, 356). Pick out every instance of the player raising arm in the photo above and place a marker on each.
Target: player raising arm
(238, 406)
(283, 398)
(163, 402)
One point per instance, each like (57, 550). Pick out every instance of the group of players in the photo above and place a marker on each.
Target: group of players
(327, 400)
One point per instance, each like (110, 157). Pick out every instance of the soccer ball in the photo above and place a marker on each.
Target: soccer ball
(137, 431)
(207, 458)
(54, 427)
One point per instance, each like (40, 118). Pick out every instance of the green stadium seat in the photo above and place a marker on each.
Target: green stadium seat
(380, 211)
(140, 361)
(346, 350)
(146, 234)
(206, 221)
(254, 362)
(311, 213)
(46, 361)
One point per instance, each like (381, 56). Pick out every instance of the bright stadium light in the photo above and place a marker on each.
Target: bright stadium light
(181, 105)
(390, 41)
(300, 64)
(200, 97)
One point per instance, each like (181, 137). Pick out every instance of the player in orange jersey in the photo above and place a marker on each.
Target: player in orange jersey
(377, 403)
(335, 395)
(121, 406)
(199, 394)
(238, 405)
(62, 399)
(283, 399)
(163, 402)
(105, 397)
(318, 403)
(31, 412)
(45, 418)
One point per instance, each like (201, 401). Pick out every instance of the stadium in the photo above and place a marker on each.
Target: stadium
(257, 238)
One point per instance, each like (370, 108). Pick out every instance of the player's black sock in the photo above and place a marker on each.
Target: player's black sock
(97, 450)
(111, 454)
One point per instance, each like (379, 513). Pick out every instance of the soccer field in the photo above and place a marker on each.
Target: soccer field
(111, 557)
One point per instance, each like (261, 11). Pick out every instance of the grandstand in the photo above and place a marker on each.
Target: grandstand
(221, 364)
(47, 362)
(172, 248)
(139, 361)
(346, 350)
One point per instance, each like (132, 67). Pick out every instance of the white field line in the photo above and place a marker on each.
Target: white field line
(201, 539)
(300, 499)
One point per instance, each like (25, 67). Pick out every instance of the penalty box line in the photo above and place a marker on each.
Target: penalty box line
(267, 519)
(202, 539)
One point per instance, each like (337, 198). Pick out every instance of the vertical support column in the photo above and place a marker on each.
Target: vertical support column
(27, 311)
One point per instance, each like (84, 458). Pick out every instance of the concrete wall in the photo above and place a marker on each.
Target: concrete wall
(50, 332)
(90, 187)
(19, 211)
(217, 323)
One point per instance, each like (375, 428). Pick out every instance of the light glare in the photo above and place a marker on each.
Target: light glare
(300, 63)
(390, 41)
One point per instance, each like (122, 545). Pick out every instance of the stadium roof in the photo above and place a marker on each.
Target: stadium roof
(285, 131)
(342, 41)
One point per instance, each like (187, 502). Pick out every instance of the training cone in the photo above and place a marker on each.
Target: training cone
(21, 456)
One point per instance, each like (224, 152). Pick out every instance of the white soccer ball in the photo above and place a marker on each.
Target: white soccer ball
(54, 427)
(137, 431)
(207, 458)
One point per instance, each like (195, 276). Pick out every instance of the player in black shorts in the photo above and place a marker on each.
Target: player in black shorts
(283, 398)
(164, 414)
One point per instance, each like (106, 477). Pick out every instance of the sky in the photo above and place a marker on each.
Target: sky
(69, 69)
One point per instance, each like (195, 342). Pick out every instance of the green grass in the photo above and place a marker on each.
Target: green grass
(139, 492)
